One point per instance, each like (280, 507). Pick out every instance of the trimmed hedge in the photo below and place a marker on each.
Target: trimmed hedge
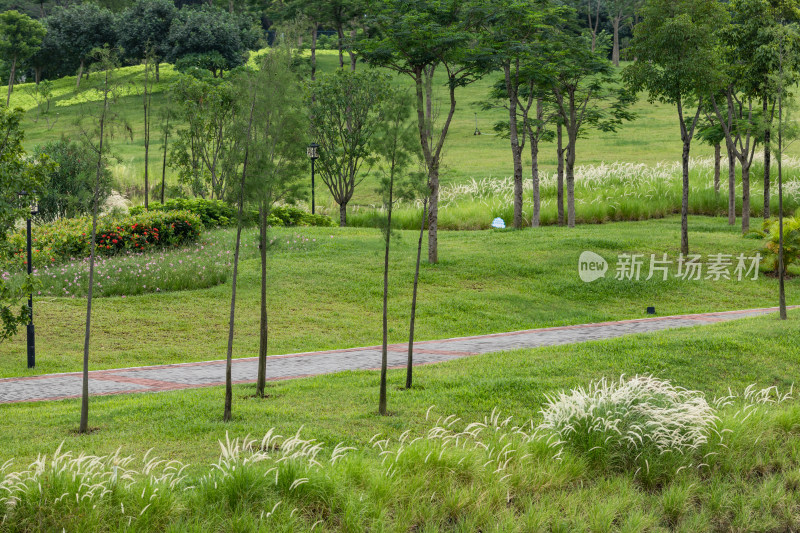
(216, 213)
(70, 238)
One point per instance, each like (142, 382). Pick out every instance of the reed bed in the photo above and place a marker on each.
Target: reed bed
(603, 193)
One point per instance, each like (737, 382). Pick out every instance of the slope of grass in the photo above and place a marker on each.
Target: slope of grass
(325, 293)
(652, 138)
(751, 484)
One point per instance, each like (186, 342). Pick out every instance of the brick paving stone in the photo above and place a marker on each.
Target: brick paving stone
(211, 373)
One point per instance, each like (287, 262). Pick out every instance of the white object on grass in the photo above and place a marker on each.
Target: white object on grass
(498, 223)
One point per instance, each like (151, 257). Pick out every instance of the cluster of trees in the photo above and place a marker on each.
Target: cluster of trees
(60, 43)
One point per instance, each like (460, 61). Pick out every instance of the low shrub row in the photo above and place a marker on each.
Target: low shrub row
(70, 238)
(216, 213)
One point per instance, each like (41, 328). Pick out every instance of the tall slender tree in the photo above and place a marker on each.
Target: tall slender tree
(418, 38)
(95, 135)
(147, 101)
(585, 95)
(675, 46)
(279, 128)
(20, 38)
(251, 92)
(397, 146)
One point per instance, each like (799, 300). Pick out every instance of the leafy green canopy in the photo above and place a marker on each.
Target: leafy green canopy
(145, 26)
(214, 38)
(675, 45)
(20, 35)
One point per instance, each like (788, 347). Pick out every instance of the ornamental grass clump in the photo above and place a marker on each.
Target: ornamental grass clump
(643, 425)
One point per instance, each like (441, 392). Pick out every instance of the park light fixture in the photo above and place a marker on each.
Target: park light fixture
(313, 154)
(34, 210)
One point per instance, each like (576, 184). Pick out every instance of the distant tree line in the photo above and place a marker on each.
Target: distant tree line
(195, 34)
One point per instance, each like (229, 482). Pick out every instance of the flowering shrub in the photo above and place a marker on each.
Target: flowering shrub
(67, 239)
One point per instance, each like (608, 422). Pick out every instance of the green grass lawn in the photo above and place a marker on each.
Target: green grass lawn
(751, 485)
(652, 138)
(326, 286)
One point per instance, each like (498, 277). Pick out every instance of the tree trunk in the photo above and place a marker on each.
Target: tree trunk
(685, 197)
(534, 141)
(343, 214)
(11, 79)
(340, 44)
(615, 50)
(745, 196)
(537, 199)
(385, 345)
(84, 424)
(164, 162)
(516, 150)
(314, 34)
(158, 74)
(560, 173)
(717, 158)
(264, 331)
(410, 365)
(226, 417)
(351, 53)
(37, 75)
(571, 179)
(767, 160)
(731, 187)
(433, 217)
(146, 139)
(781, 266)
(80, 75)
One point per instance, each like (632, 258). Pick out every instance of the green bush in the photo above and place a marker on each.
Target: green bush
(791, 243)
(70, 238)
(292, 216)
(212, 213)
(216, 213)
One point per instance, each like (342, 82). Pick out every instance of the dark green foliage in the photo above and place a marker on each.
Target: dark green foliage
(211, 212)
(145, 25)
(211, 33)
(67, 190)
(77, 30)
(216, 213)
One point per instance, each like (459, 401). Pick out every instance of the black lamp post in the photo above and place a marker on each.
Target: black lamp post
(34, 210)
(313, 154)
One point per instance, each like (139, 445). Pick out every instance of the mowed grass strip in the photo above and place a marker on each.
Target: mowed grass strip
(325, 290)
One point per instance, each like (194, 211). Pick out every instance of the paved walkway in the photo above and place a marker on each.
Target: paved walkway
(212, 373)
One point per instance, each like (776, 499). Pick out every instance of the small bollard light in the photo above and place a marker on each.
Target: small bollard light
(651, 310)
